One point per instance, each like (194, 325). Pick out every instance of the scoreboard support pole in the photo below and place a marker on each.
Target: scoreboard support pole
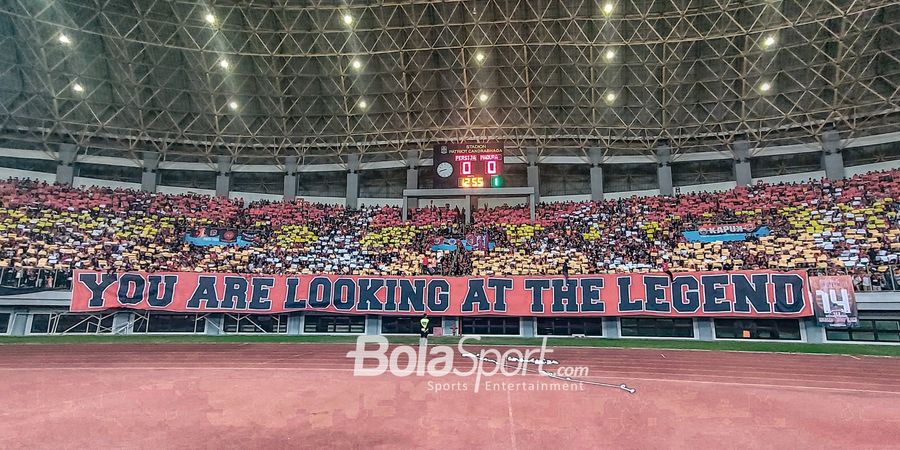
(469, 208)
(531, 205)
(412, 177)
(471, 196)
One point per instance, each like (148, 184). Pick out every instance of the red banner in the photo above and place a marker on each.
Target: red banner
(708, 294)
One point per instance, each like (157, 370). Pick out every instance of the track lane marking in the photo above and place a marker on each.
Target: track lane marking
(312, 369)
(512, 423)
(612, 370)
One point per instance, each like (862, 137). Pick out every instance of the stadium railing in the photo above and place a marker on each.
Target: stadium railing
(35, 278)
(31, 278)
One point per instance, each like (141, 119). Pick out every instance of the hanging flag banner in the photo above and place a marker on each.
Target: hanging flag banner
(835, 302)
(213, 236)
(472, 242)
(707, 294)
(725, 232)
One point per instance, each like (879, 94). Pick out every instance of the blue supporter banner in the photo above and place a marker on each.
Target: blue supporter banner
(478, 243)
(213, 236)
(722, 233)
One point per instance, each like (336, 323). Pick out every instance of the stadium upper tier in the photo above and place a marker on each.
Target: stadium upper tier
(826, 226)
(258, 81)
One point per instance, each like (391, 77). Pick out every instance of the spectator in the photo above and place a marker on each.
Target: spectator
(827, 227)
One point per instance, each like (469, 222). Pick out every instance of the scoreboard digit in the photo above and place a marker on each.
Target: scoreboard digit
(468, 165)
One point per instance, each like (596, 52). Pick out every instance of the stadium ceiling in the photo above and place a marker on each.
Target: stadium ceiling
(319, 79)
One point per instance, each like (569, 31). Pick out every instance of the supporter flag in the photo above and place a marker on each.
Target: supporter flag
(228, 236)
(249, 236)
(471, 242)
(212, 236)
(479, 241)
(835, 302)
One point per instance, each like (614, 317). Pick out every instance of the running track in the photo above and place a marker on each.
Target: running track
(305, 396)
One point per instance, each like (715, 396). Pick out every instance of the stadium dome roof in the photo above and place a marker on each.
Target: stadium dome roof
(261, 79)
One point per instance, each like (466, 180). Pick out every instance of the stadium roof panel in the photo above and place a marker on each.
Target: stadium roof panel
(688, 73)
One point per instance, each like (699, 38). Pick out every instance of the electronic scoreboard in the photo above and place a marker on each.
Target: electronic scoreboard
(468, 165)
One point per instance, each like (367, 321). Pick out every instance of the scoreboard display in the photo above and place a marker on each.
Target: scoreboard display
(468, 165)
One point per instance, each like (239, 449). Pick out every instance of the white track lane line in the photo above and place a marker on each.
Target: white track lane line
(512, 423)
(312, 369)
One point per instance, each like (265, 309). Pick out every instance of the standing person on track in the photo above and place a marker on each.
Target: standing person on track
(423, 332)
(565, 270)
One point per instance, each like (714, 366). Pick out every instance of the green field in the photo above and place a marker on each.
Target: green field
(748, 346)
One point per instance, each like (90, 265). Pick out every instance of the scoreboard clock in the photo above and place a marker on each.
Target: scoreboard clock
(468, 165)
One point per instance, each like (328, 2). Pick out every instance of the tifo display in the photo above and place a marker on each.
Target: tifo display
(844, 227)
(468, 165)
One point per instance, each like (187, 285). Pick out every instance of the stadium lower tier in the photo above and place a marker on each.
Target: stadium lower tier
(879, 322)
(737, 305)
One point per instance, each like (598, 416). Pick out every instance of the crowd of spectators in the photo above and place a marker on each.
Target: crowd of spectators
(827, 227)
(824, 226)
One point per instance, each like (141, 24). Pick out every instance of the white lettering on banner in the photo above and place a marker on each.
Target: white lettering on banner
(726, 228)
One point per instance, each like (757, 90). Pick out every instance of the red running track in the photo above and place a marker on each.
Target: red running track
(305, 396)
